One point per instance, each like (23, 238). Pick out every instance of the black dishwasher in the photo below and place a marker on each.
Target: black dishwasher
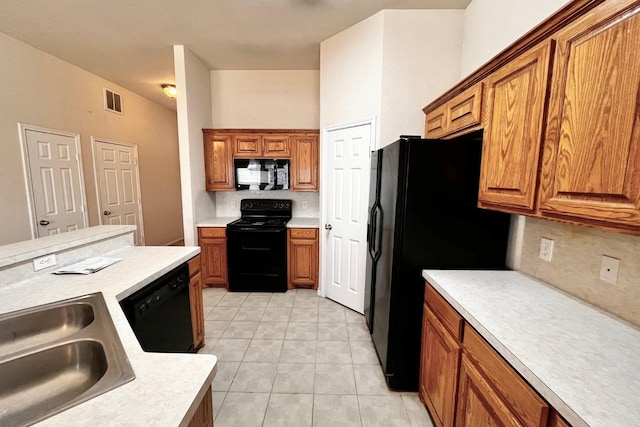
(160, 313)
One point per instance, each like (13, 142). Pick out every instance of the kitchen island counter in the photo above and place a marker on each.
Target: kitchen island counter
(167, 388)
(583, 361)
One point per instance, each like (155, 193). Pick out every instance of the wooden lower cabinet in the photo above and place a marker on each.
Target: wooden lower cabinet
(465, 382)
(204, 414)
(438, 369)
(213, 244)
(197, 305)
(303, 254)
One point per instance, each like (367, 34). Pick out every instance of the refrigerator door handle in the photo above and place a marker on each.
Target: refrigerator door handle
(371, 238)
(377, 237)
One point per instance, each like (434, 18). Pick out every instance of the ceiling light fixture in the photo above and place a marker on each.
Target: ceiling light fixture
(170, 90)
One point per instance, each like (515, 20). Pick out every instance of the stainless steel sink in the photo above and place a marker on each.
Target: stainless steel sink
(55, 356)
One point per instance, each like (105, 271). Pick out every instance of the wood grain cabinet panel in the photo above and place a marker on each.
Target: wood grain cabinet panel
(516, 96)
(213, 246)
(218, 161)
(436, 123)
(591, 163)
(247, 146)
(204, 414)
(305, 166)
(439, 363)
(197, 304)
(276, 146)
(303, 258)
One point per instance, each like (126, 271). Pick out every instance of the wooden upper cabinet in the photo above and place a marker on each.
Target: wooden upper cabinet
(462, 113)
(218, 161)
(304, 174)
(276, 146)
(516, 96)
(247, 146)
(591, 163)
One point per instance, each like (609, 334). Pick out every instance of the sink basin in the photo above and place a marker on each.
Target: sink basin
(40, 326)
(58, 355)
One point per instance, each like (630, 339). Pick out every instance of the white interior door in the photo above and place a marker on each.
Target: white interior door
(55, 181)
(118, 185)
(348, 170)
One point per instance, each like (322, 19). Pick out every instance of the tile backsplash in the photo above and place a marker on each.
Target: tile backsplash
(228, 202)
(575, 265)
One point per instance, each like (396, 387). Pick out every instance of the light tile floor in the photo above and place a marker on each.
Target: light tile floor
(296, 359)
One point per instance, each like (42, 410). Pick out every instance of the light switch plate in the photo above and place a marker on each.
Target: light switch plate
(546, 249)
(44, 262)
(609, 269)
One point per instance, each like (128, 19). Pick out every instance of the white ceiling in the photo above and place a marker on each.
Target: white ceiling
(130, 42)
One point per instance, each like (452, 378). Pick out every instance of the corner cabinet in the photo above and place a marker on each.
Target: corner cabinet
(218, 161)
(213, 244)
(305, 167)
(197, 305)
(465, 382)
(513, 132)
(441, 350)
(592, 145)
(303, 256)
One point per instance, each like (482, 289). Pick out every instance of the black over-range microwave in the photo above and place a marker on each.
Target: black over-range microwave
(261, 174)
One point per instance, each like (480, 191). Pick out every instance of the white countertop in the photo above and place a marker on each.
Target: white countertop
(297, 222)
(585, 363)
(167, 387)
(304, 223)
(216, 221)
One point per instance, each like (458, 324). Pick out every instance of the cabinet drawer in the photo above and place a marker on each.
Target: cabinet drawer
(212, 232)
(465, 109)
(194, 265)
(450, 318)
(436, 123)
(303, 233)
(522, 400)
(247, 146)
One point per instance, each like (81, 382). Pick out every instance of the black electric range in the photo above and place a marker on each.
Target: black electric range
(257, 246)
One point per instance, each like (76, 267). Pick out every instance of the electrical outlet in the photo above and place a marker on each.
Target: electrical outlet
(609, 269)
(304, 205)
(234, 203)
(44, 262)
(546, 249)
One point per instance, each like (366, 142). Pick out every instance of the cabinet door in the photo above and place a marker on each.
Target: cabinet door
(436, 123)
(247, 146)
(197, 310)
(513, 132)
(214, 259)
(303, 255)
(592, 145)
(478, 402)
(218, 162)
(276, 146)
(304, 163)
(440, 359)
(203, 416)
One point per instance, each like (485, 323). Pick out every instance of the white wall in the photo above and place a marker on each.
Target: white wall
(265, 99)
(492, 25)
(39, 89)
(421, 60)
(194, 113)
(390, 66)
(351, 73)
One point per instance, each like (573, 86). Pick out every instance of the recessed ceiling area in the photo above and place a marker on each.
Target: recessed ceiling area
(130, 42)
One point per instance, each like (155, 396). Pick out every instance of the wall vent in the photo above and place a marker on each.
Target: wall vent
(112, 101)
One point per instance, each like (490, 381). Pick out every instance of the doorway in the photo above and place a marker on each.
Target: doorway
(118, 185)
(54, 180)
(345, 198)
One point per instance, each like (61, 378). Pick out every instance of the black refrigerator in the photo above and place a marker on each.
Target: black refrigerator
(422, 214)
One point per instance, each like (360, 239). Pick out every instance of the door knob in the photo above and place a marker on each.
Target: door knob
(328, 227)
(107, 212)
(44, 222)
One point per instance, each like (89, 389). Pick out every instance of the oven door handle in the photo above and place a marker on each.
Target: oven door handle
(258, 230)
